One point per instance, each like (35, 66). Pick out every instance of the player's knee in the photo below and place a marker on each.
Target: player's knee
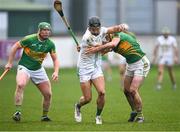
(48, 96)
(121, 73)
(101, 94)
(21, 85)
(132, 92)
(160, 72)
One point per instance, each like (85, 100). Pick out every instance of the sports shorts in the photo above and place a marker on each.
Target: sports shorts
(139, 68)
(165, 60)
(89, 74)
(37, 76)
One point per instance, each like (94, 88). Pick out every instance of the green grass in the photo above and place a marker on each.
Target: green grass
(161, 108)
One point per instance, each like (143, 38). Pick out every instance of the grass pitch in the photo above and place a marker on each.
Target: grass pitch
(161, 108)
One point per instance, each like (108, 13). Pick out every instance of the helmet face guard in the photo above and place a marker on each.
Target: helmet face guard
(94, 25)
(44, 30)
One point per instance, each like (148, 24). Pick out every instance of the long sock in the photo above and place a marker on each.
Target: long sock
(18, 108)
(99, 111)
(45, 112)
(139, 114)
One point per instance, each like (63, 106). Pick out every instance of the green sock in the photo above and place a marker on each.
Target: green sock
(18, 108)
(45, 112)
(139, 114)
(98, 113)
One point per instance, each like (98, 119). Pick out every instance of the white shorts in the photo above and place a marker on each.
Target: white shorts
(122, 60)
(89, 74)
(139, 68)
(168, 61)
(37, 76)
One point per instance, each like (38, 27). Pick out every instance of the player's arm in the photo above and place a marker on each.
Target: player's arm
(56, 66)
(12, 53)
(107, 46)
(176, 52)
(155, 52)
(117, 28)
(103, 52)
(176, 58)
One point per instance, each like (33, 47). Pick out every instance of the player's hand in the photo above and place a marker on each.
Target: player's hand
(55, 76)
(124, 27)
(176, 60)
(153, 61)
(78, 48)
(8, 66)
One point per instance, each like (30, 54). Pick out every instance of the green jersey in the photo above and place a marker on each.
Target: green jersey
(128, 47)
(104, 57)
(34, 51)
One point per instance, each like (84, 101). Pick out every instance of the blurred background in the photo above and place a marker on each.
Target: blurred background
(146, 18)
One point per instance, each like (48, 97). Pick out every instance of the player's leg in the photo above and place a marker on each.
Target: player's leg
(122, 69)
(127, 84)
(85, 84)
(84, 99)
(41, 80)
(107, 70)
(140, 71)
(100, 87)
(134, 91)
(99, 84)
(87, 94)
(171, 75)
(45, 89)
(139, 75)
(22, 79)
(160, 75)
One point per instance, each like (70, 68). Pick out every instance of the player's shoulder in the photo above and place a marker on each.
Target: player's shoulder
(160, 38)
(104, 30)
(86, 35)
(31, 36)
(50, 42)
(172, 37)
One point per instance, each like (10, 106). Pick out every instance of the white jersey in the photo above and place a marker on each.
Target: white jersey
(166, 46)
(90, 60)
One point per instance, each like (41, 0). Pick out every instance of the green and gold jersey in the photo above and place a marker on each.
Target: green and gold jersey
(34, 51)
(128, 47)
(105, 57)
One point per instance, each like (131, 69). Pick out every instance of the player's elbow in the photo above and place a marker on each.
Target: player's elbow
(113, 45)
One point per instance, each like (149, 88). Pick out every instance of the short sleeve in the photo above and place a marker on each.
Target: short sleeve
(83, 41)
(25, 41)
(174, 42)
(157, 41)
(104, 30)
(86, 39)
(52, 49)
